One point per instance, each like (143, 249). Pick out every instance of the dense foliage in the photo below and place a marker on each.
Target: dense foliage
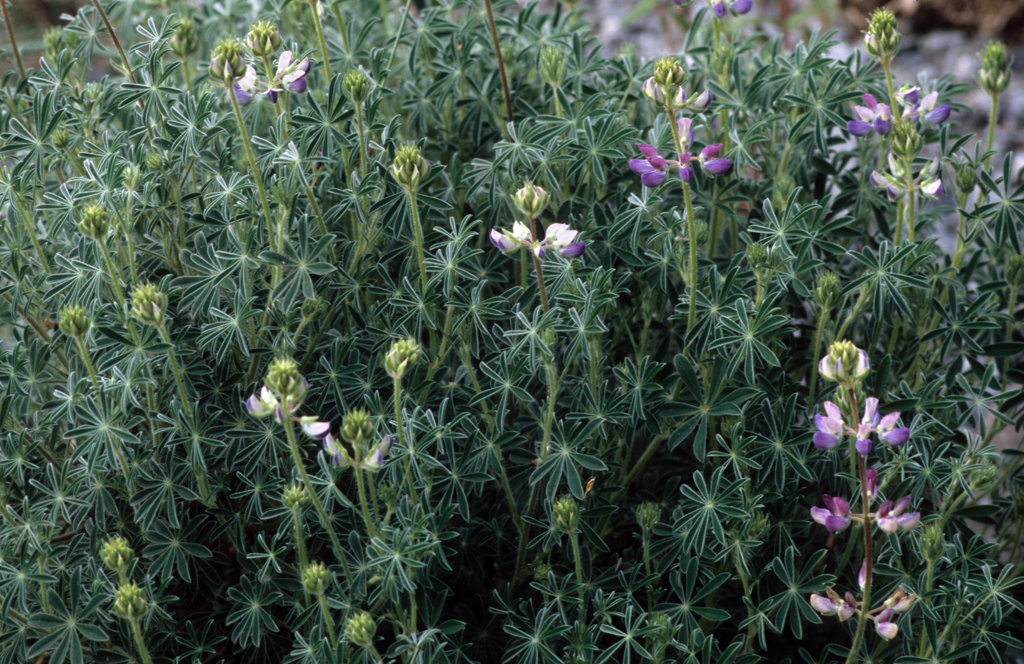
(320, 344)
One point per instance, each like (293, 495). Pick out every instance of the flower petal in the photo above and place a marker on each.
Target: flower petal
(859, 128)
(652, 179)
(640, 166)
(718, 166)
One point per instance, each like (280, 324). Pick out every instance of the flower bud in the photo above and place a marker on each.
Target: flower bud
(356, 85)
(228, 61)
(827, 290)
(906, 141)
(283, 378)
(130, 602)
(74, 322)
(757, 254)
(357, 427)
(844, 362)
(263, 39)
(149, 304)
(313, 308)
(131, 176)
(933, 541)
(532, 200)
(966, 177)
(567, 513)
(314, 578)
(541, 573)
(404, 354)
(882, 40)
(185, 41)
(647, 516)
(388, 495)
(1015, 270)
(53, 44)
(552, 65)
(985, 478)
(116, 554)
(409, 167)
(60, 139)
(758, 526)
(994, 75)
(669, 76)
(361, 629)
(94, 221)
(295, 497)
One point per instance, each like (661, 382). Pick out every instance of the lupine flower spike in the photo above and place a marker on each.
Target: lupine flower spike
(894, 182)
(559, 238)
(834, 605)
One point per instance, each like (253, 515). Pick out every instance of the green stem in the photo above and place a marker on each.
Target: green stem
(362, 499)
(910, 202)
(341, 25)
(186, 403)
(887, 68)
(252, 164)
(574, 539)
(501, 61)
(815, 349)
(85, 357)
(1009, 331)
(691, 231)
(128, 237)
(364, 155)
(537, 265)
(137, 631)
(865, 611)
(327, 619)
(992, 119)
(418, 231)
(400, 430)
(14, 42)
(29, 225)
(187, 75)
(300, 540)
(320, 41)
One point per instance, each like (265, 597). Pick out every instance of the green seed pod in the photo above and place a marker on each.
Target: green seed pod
(228, 61)
(552, 66)
(283, 379)
(314, 578)
(149, 304)
(532, 200)
(1015, 270)
(996, 65)
(647, 516)
(409, 167)
(295, 497)
(906, 141)
(882, 40)
(74, 322)
(361, 629)
(567, 514)
(130, 602)
(357, 427)
(933, 542)
(356, 85)
(827, 290)
(404, 354)
(185, 40)
(263, 39)
(94, 221)
(116, 554)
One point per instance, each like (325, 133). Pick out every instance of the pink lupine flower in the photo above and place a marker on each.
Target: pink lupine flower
(891, 517)
(835, 516)
(652, 169)
(872, 117)
(829, 427)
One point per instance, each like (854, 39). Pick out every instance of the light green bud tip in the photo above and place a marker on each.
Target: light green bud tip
(1015, 270)
(388, 495)
(844, 362)
(263, 39)
(228, 61)
(314, 578)
(906, 141)
(994, 76)
(966, 177)
(94, 221)
(130, 602)
(185, 41)
(116, 554)
(882, 40)
(403, 355)
(647, 516)
(567, 513)
(60, 139)
(149, 304)
(154, 162)
(356, 85)
(669, 74)
(361, 629)
(933, 542)
(295, 497)
(985, 478)
(541, 573)
(757, 254)
(284, 379)
(409, 168)
(532, 200)
(827, 290)
(74, 322)
(357, 427)
(552, 65)
(313, 308)
(53, 43)
(758, 526)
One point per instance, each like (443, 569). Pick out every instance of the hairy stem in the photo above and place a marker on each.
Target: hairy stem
(501, 60)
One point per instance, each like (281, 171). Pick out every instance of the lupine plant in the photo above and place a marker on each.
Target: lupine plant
(370, 331)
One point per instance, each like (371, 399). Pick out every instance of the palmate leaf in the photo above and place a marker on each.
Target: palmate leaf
(299, 262)
(705, 505)
(67, 626)
(798, 584)
(249, 612)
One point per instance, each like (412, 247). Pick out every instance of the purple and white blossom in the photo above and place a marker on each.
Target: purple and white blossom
(834, 605)
(835, 516)
(892, 517)
(652, 169)
(829, 426)
(873, 117)
(884, 625)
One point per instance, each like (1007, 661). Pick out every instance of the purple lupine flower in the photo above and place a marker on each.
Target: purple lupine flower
(871, 475)
(931, 113)
(262, 405)
(292, 74)
(711, 163)
(652, 169)
(244, 88)
(892, 517)
(862, 575)
(339, 457)
(685, 127)
(653, 91)
(863, 442)
(737, 7)
(835, 516)
(908, 96)
(873, 117)
(385, 444)
(373, 462)
(893, 436)
(831, 606)
(561, 238)
(932, 189)
(574, 250)
(503, 242)
(315, 429)
(883, 625)
(701, 102)
(834, 370)
(741, 6)
(829, 427)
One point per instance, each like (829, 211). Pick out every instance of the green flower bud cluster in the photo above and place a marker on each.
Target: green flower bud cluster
(985, 478)
(154, 162)
(116, 554)
(74, 322)
(647, 516)
(966, 177)
(933, 541)
(758, 526)
(722, 57)
(94, 221)
(313, 308)
(130, 602)
(228, 61)
(567, 514)
(541, 573)
(295, 497)
(185, 41)
(131, 176)
(356, 85)
(827, 290)
(284, 380)
(263, 39)
(361, 629)
(60, 139)
(53, 43)
(532, 200)
(757, 254)
(314, 578)
(669, 75)
(357, 427)
(844, 362)
(552, 66)
(882, 40)
(404, 354)
(149, 304)
(1015, 270)
(409, 168)
(906, 141)
(994, 75)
